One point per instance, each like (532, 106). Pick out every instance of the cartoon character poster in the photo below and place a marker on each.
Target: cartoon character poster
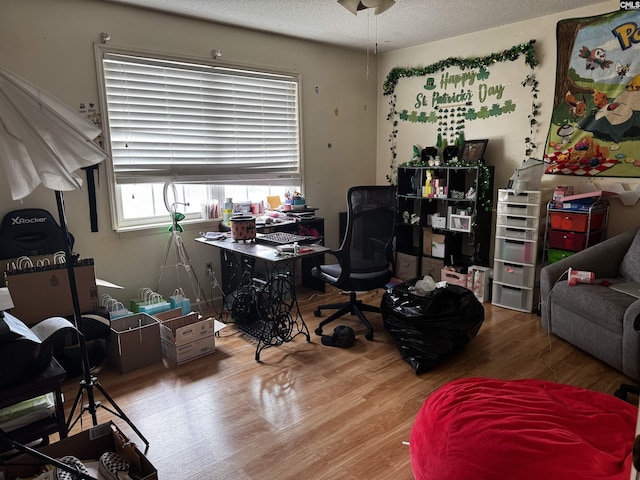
(595, 125)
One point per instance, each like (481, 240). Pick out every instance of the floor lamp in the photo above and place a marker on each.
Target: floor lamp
(88, 382)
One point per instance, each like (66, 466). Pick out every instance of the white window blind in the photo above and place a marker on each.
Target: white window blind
(200, 123)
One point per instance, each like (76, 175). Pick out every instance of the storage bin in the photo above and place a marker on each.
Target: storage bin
(519, 210)
(576, 222)
(510, 297)
(514, 251)
(479, 282)
(513, 274)
(572, 241)
(406, 266)
(516, 233)
(431, 267)
(454, 278)
(554, 255)
(521, 222)
(509, 196)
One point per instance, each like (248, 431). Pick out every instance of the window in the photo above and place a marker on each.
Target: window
(214, 131)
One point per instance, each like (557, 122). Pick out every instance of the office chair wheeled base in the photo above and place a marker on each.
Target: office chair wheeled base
(354, 307)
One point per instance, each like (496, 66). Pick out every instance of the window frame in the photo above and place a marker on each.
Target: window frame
(119, 223)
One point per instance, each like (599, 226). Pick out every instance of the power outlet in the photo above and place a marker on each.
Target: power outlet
(209, 268)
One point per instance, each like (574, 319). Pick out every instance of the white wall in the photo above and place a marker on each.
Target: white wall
(506, 149)
(50, 43)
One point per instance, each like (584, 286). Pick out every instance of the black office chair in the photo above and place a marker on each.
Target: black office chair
(365, 257)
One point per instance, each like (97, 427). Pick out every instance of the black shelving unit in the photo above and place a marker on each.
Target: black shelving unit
(463, 221)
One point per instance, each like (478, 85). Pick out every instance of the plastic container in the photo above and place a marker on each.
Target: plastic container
(227, 211)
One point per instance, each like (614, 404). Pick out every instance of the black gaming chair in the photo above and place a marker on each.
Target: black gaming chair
(365, 257)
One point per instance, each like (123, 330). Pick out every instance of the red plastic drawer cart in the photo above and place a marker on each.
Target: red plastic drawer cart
(574, 223)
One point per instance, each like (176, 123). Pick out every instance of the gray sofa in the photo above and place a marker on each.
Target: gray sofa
(595, 318)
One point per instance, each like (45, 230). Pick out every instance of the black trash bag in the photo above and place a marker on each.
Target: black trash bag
(428, 330)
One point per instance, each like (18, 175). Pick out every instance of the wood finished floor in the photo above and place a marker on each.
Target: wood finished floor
(316, 412)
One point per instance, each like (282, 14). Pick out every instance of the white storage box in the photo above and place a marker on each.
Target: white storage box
(514, 251)
(438, 222)
(515, 298)
(516, 233)
(437, 246)
(509, 196)
(520, 222)
(516, 275)
(479, 282)
(519, 210)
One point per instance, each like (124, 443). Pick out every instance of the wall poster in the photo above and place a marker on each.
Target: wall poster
(595, 124)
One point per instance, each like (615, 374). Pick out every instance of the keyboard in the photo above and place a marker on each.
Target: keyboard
(283, 238)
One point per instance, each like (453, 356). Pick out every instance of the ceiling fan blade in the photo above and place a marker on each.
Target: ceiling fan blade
(383, 6)
(351, 5)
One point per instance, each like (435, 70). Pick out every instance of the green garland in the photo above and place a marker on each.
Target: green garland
(526, 49)
(512, 54)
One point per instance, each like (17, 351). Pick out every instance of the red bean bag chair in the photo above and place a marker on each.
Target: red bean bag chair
(485, 429)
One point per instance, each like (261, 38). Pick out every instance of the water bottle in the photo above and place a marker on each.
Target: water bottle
(227, 211)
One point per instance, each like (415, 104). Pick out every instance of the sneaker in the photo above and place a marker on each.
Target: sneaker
(73, 462)
(113, 467)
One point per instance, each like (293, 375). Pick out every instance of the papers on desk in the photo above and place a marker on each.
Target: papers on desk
(213, 235)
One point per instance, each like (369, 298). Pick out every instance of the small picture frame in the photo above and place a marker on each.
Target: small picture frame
(473, 150)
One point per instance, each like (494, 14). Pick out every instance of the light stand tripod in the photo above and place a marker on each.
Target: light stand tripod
(89, 382)
(182, 257)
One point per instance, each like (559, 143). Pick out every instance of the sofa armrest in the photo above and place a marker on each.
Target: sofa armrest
(603, 259)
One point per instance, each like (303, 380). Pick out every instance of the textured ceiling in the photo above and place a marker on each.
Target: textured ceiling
(407, 23)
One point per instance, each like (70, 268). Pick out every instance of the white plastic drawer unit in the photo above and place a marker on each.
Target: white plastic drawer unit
(515, 251)
(515, 298)
(508, 196)
(518, 210)
(519, 222)
(517, 233)
(514, 274)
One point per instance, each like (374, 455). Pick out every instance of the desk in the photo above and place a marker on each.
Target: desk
(299, 227)
(47, 381)
(267, 310)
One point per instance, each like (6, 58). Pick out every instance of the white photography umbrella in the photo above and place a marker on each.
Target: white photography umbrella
(44, 141)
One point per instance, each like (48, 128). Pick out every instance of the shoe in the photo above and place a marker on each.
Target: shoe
(113, 467)
(73, 462)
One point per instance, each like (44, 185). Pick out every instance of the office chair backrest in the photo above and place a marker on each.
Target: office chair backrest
(371, 219)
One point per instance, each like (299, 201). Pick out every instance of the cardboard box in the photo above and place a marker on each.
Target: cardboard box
(45, 292)
(437, 245)
(432, 267)
(187, 328)
(187, 337)
(406, 266)
(427, 239)
(179, 354)
(87, 445)
(134, 342)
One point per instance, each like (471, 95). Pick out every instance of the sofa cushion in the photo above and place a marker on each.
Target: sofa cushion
(630, 266)
(601, 305)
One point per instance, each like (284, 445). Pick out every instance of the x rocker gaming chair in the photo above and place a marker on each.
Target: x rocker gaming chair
(365, 257)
